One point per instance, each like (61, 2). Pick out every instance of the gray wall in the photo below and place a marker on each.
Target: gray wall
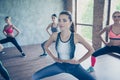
(31, 17)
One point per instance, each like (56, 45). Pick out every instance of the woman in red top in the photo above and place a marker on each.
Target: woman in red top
(10, 36)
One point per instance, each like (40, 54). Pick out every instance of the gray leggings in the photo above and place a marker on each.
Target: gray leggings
(74, 69)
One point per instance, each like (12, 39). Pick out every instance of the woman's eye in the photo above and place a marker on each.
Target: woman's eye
(59, 20)
(64, 20)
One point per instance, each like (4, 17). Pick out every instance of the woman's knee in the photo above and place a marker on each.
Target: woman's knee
(94, 54)
(97, 53)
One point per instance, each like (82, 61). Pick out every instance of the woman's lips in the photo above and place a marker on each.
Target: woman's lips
(61, 26)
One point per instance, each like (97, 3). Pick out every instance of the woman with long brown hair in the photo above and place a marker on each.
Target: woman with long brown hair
(65, 40)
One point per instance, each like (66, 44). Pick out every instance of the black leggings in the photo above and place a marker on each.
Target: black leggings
(106, 50)
(42, 45)
(13, 41)
(4, 72)
(74, 69)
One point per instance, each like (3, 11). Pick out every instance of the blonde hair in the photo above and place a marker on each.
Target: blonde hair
(115, 13)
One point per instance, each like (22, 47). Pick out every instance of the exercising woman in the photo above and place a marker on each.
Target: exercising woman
(10, 36)
(65, 47)
(114, 40)
(3, 71)
(53, 27)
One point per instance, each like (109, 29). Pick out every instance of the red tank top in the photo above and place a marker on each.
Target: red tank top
(9, 29)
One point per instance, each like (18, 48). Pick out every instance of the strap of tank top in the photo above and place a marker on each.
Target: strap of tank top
(108, 30)
(72, 37)
(58, 36)
(10, 26)
(111, 27)
(72, 44)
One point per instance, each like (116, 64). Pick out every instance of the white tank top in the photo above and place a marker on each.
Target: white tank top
(66, 49)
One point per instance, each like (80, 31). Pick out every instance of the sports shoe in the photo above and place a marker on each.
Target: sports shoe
(90, 69)
(23, 54)
(44, 54)
(3, 52)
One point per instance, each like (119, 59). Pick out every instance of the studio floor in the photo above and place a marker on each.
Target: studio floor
(107, 67)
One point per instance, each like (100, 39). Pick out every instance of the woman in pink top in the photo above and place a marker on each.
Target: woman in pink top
(10, 36)
(114, 40)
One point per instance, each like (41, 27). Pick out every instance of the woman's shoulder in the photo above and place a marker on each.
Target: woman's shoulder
(5, 26)
(77, 36)
(108, 27)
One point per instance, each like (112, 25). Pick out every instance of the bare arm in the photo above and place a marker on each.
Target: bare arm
(86, 45)
(101, 32)
(48, 43)
(48, 29)
(79, 39)
(17, 30)
(4, 32)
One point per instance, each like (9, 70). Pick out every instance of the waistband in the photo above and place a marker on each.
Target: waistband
(66, 63)
(114, 38)
(113, 46)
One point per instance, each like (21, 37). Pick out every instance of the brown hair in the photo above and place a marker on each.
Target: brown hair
(68, 13)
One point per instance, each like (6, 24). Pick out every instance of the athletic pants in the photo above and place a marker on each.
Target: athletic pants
(104, 50)
(42, 45)
(74, 69)
(13, 41)
(4, 72)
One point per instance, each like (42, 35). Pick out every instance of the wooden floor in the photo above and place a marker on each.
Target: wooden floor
(107, 67)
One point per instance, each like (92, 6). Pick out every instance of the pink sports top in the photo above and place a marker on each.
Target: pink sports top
(113, 36)
(9, 29)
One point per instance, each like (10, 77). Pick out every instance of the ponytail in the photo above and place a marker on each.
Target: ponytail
(72, 28)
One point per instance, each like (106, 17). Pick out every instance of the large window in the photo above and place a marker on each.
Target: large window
(84, 17)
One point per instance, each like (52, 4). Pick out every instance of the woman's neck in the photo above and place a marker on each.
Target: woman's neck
(9, 23)
(54, 22)
(65, 32)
